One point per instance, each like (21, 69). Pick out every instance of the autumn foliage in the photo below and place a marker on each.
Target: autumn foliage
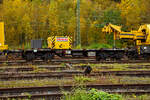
(38, 19)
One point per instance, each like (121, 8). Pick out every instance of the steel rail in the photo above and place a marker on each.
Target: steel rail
(17, 76)
(54, 88)
(58, 96)
(73, 61)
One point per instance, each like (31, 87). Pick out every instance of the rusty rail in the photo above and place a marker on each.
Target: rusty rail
(58, 96)
(54, 88)
(74, 61)
(64, 74)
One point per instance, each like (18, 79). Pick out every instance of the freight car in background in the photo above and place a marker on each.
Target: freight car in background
(62, 47)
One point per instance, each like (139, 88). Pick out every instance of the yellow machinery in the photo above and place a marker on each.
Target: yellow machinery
(59, 42)
(141, 36)
(2, 38)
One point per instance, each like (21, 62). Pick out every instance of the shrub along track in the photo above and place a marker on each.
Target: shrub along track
(53, 92)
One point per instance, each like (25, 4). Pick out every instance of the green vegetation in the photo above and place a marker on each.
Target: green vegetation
(93, 94)
(83, 79)
(134, 97)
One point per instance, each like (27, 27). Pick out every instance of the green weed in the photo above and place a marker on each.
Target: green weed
(93, 94)
(82, 79)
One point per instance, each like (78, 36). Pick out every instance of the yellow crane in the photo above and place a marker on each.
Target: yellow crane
(2, 38)
(140, 36)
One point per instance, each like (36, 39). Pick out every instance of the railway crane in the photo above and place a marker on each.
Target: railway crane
(141, 37)
(62, 46)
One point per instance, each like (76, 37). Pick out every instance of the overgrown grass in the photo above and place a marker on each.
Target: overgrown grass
(83, 79)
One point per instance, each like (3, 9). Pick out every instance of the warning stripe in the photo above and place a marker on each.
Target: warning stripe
(53, 42)
(70, 42)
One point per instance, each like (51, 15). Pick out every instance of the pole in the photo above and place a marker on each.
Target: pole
(114, 40)
(78, 41)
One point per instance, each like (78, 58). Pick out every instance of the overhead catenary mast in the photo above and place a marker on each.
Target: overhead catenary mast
(78, 36)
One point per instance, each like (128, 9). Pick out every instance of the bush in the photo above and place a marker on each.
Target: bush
(96, 95)
(93, 94)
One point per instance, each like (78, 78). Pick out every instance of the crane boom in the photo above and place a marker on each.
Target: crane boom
(142, 36)
(112, 28)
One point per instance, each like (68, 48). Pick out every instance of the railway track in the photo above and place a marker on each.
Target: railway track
(73, 61)
(69, 74)
(58, 96)
(52, 96)
(55, 91)
(104, 68)
(16, 69)
(29, 68)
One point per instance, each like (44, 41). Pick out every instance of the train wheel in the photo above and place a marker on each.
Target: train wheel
(30, 56)
(101, 56)
(12, 56)
(98, 58)
(146, 56)
(48, 56)
(119, 56)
